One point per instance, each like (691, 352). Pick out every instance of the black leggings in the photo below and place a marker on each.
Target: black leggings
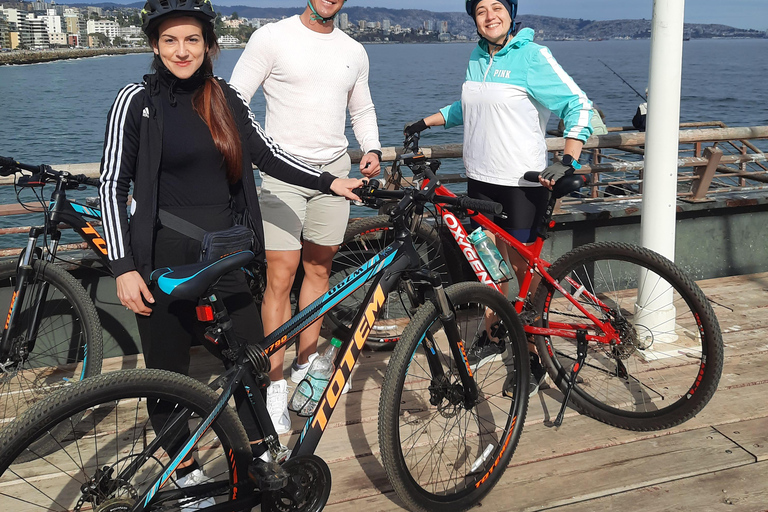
(524, 207)
(169, 332)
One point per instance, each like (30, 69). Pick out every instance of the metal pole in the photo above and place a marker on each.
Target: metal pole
(659, 209)
(665, 77)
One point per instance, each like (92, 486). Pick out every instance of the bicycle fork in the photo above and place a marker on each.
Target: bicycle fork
(25, 275)
(448, 320)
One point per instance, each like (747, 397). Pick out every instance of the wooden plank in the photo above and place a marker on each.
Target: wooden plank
(583, 476)
(751, 435)
(740, 489)
(363, 476)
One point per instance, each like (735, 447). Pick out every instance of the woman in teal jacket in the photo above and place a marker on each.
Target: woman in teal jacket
(512, 87)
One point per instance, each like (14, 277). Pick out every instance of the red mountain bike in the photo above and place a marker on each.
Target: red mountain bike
(623, 332)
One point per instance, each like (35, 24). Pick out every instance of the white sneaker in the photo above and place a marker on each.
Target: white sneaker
(298, 374)
(197, 477)
(277, 405)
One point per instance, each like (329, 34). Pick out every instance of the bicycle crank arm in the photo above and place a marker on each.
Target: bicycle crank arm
(581, 356)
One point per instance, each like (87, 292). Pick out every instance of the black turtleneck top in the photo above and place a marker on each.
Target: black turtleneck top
(192, 170)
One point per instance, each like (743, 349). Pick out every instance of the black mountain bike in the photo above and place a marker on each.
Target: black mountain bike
(51, 336)
(447, 430)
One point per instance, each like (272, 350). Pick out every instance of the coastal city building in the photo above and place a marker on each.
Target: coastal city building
(107, 27)
(229, 41)
(5, 36)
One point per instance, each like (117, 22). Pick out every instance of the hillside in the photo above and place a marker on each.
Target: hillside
(460, 24)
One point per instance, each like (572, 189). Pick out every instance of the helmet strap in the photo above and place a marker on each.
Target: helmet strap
(316, 17)
(504, 43)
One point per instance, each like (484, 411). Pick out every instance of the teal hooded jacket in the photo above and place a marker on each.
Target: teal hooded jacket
(505, 104)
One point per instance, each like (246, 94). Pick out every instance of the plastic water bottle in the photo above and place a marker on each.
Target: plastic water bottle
(490, 255)
(310, 389)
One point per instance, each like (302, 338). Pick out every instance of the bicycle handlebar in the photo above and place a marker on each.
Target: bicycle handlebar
(10, 166)
(465, 203)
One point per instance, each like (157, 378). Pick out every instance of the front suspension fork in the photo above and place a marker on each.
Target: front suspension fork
(448, 319)
(25, 275)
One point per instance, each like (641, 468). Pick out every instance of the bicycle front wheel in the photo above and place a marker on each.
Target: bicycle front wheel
(63, 346)
(363, 240)
(441, 452)
(666, 363)
(107, 459)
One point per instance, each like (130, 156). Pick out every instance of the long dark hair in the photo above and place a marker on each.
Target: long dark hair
(211, 105)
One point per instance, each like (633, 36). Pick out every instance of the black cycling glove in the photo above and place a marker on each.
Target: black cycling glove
(556, 171)
(415, 127)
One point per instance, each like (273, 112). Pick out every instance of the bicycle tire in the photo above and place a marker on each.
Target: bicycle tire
(99, 439)
(364, 239)
(415, 435)
(68, 346)
(662, 374)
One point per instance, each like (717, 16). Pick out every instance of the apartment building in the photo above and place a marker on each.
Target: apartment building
(107, 27)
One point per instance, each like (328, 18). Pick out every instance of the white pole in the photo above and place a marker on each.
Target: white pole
(662, 133)
(660, 176)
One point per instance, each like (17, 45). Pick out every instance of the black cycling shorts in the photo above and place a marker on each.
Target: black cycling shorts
(524, 207)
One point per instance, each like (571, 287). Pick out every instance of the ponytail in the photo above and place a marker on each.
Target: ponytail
(211, 105)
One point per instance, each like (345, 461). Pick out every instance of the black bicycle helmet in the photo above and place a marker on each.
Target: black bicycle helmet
(154, 10)
(511, 6)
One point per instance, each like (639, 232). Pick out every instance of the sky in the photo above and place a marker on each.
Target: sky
(737, 13)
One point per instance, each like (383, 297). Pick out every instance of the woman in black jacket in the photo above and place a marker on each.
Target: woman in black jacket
(186, 142)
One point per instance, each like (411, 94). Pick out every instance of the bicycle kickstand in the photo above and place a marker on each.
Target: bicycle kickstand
(581, 356)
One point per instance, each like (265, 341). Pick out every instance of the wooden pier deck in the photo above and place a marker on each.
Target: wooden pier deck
(717, 461)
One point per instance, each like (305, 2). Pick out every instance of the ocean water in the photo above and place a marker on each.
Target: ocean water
(56, 112)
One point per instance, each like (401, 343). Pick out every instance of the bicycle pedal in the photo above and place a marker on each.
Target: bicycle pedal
(268, 476)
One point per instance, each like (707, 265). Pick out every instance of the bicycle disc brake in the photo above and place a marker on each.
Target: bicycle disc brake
(308, 489)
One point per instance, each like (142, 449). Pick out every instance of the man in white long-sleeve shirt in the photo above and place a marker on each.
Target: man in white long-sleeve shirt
(310, 74)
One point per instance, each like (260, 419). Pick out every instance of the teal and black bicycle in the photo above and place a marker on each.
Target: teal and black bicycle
(51, 336)
(446, 429)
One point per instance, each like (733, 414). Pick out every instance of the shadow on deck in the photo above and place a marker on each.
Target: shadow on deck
(716, 461)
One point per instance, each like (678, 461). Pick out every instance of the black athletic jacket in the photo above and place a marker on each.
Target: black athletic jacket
(132, 152)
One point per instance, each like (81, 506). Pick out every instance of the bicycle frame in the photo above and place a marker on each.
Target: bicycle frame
(535, 264)
(61, 210)
(384, 271)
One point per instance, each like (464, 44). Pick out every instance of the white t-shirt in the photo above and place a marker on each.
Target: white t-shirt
(309, 80)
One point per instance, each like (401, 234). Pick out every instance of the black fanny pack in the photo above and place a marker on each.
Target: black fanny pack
(213, 244)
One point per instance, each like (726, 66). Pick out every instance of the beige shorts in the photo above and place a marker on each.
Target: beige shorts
(288, 212)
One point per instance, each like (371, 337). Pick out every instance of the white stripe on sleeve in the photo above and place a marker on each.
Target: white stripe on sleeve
(586, 105)
(112, 161)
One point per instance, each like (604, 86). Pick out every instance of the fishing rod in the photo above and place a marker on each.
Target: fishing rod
(620, 78)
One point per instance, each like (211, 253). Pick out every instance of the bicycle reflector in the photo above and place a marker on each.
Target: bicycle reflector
(204, 313)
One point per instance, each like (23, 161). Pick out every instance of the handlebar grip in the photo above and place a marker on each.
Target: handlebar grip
(481, 206)
(85, 180)
(531, 176)
(469, 203)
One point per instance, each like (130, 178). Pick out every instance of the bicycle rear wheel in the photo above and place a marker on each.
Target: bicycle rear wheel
(67, 347)
(666, 364)
(363, 240)
(107, 425)
(439, 453)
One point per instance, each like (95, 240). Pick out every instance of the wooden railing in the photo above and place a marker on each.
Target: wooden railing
(714, 159)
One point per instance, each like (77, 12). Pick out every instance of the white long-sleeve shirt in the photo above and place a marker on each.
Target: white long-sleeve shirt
(309, 80)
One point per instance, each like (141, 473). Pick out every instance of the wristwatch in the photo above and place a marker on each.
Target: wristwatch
(569, 160)
(378, 153)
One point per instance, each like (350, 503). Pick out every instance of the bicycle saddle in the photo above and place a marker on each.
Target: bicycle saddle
(192, 281)
(564, 186)
(568, 184)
